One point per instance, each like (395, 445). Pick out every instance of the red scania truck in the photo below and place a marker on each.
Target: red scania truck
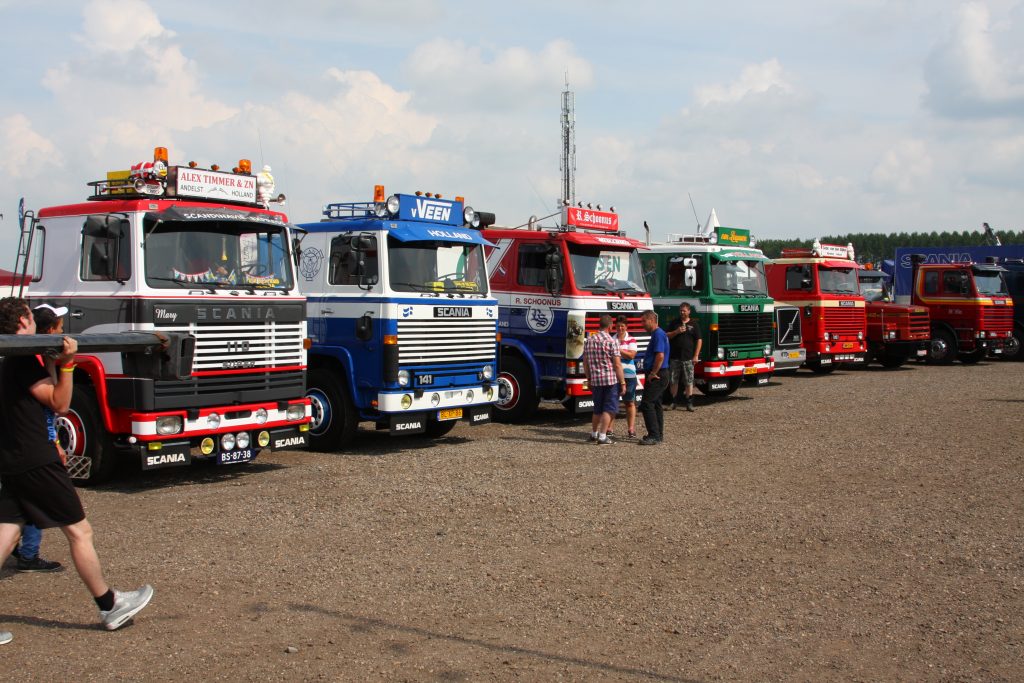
(896, 333)
(182, 249)
(822, 283)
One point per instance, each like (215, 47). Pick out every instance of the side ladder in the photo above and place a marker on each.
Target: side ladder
(26, 223)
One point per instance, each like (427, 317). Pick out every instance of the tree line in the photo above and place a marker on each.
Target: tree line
(875, 246)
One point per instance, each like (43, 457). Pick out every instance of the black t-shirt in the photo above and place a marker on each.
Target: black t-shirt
(24, 441)
(682, 345)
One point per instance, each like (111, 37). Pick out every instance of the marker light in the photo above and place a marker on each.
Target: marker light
(469, 215)
(244, 166)
(403, 378)
(721, 353)
(406, 401)
(206, 446)
(470, 396)
(435, 399)
(263, 438)
(160, 154)
(488, 372)
(767, 349)
(380, 210)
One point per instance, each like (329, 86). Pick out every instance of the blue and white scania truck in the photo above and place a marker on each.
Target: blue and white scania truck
(403, 327)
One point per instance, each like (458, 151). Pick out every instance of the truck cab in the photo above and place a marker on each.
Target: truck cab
(552, 286)
(402, 322)
(160, 248)
(1015, 284)
(822, 282)
(896, 333)
(722, 277)
(970, 308)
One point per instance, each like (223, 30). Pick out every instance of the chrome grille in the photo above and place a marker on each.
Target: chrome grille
(446, 341)
(245, 346)
(789, 326)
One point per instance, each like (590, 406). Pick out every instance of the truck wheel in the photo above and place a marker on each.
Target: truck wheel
(892, 361)
(517, 396)
(1011, 349)
(438, 429)
(334, 416)
(82, 436)
(817, 368)
(971, 357)
(942, 350)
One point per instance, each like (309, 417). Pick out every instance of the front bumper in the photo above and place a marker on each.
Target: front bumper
(789, 359)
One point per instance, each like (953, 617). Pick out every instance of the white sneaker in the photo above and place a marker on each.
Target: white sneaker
(126, 606)
(6, 637)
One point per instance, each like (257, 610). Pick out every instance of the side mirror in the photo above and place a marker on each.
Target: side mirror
(364, 328)
(553, 278)
(363, 242)
(806, 284)
(965, 284)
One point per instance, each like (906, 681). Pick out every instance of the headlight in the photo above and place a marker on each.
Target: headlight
(721, 353)
(261, 416)
(981, 334)
(488, 372)
(380, 210)
(470, 396)
(263, 438)
(860, 335)
(490, 393)
(403, 378)
(435, 399)
(406, 401)
(242, 440)
(227, 442)
(296, 412)
(168, 424)
(206, 446)
(213, 420)
(469, 215)
(393, 205)
(767, 349)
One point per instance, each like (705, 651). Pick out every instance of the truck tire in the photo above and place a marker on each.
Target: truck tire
(894, 360)
(971, 357)
(817, 368)
(942, 350)
(1011, 349)
(91, 456)
(517, 395)
(334, 415)
(437, 429)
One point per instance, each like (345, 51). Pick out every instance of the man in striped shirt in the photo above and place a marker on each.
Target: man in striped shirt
(603, 368)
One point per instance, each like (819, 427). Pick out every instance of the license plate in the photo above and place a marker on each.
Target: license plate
(922, 352)
(794, 354)
(825, 361)
(232, 457)
(996, 351)
(450, 414)
(847, 345)
(749, 371)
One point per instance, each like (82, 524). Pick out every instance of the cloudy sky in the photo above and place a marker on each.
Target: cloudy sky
(790, 118)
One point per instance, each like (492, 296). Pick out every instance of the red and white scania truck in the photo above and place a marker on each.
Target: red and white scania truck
(188, 250)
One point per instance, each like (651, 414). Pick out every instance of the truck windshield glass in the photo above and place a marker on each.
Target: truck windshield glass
(990, 282)
(738, 277)
(217, 255)
(837, 280)
(436, 267)
(873, 288)
(600, 269)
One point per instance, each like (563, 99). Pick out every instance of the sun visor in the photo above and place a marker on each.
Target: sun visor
(835, 263)
(413, 232)
(738, 256)
(188, 214)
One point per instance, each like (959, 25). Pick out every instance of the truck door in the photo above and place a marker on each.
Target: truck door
(105, 267)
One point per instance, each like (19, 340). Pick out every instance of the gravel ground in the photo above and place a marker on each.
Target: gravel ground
(860, 526)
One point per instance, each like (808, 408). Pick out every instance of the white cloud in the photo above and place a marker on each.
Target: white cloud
(755, 79)
(903, 168)
(24, 153)
(451, 74)
(971, 74)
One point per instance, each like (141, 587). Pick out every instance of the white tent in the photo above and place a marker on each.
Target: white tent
(711, 224)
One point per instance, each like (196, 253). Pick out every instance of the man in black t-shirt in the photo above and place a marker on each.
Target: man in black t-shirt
(685, 343)
(34, 485)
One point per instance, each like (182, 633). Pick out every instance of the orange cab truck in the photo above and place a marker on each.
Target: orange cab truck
(822, 282)
(970, 307)
(896, 333)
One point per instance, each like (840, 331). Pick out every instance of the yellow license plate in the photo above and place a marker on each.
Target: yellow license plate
(450, 414)
(794, 354)
(848, 345)
(749, 371)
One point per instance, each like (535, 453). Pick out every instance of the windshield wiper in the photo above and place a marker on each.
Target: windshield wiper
(596, 287)
(415, 287)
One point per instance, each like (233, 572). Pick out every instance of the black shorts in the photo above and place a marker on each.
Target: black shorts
(43, 496)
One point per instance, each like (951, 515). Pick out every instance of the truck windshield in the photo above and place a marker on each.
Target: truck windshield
(874, 288)
(436, 267)
(738, 277)
(601, 269)
(837, 280)
(217, 255)
(990, 282)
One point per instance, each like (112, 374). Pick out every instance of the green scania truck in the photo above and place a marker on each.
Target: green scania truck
(721, 275)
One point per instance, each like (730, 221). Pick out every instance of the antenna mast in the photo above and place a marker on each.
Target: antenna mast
(568, 163)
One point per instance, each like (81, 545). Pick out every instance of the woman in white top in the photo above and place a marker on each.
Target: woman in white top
(627, 351)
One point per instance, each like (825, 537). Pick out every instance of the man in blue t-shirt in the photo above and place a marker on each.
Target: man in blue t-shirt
(655, 380)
